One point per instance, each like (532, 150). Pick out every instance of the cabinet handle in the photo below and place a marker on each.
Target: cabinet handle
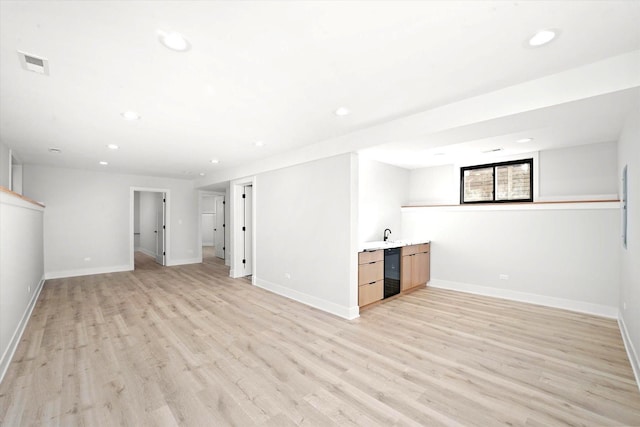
(371, 283)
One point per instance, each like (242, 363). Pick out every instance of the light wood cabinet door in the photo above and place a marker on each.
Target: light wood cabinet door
(406, 273)
(416, 268)
(421, 268)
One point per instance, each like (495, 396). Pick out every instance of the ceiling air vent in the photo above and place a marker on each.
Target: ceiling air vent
(33, 63)
(493, 150)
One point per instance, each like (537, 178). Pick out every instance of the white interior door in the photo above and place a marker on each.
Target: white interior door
(248, 230)
(218, 229)
(208, 227)
(161, 229)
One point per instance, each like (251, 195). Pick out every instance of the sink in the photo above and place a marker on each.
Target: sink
(380, 244)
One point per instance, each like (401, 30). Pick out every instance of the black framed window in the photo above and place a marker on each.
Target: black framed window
(497, 182)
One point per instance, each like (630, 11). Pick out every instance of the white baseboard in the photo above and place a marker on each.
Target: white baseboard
(17, 334)
(348, 313)
(631, 351)
(175, 262)
(86, 272)
(567, 304)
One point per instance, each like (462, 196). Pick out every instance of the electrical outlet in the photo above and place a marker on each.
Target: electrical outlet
(29, 289)
(624, 305)
(88, 258)
(504, 277)
(287, 275)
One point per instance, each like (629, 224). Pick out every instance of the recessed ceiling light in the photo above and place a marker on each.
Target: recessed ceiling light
(342, 111)
(542, 37)
(174, 41)
(215, 161)
(202, 174)
(131, 115)
(55, 150)
(103, 163)
(259, 143)
(438, 154)
(524, 140)
(112, 146)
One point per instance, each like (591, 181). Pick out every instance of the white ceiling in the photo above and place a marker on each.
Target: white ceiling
(276, 71)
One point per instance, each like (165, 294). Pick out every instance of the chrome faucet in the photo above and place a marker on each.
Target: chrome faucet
(386, 236)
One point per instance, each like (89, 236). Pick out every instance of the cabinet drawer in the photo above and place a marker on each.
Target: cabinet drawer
(414, 249)
(372, 272)
(422, 248)
(367, 257)
(370, 293)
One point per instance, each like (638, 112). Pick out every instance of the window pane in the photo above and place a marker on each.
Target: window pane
(513, 182)
(478, 185)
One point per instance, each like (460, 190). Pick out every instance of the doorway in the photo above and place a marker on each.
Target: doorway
(149, 227)
(212, 227)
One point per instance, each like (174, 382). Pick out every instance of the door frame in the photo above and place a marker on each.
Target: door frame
(167, 220)
(235, 254)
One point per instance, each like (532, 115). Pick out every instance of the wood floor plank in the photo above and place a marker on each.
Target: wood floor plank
(188, 346)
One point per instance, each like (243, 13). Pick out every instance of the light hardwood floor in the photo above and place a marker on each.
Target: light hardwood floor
(189, 346)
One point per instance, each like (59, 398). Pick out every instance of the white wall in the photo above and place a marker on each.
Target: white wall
(16, 177)
(566, 256)
(629, 154)
(5, 166)
(88, 217)
(227, 228)
(436, 185)
(578, 172)
(383, 189)
(21, 269)
(586, 171)
(305, 248)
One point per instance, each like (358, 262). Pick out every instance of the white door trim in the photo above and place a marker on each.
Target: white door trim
(167, 239)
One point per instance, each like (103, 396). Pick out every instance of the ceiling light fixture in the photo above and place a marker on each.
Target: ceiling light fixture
(112, 146)
(215, 161)
(542, 37)
(259, 143)
(202, 174)
(342, 111)
(174, 41)
(103, 163)
(55, 150)
(524, 140)
(131, 115)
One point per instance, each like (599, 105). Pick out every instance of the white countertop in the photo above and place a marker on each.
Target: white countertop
(379, 244)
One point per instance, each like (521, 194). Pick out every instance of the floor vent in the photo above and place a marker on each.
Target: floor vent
(33, 63)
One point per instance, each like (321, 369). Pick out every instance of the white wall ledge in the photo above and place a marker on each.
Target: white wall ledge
(555, 205)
